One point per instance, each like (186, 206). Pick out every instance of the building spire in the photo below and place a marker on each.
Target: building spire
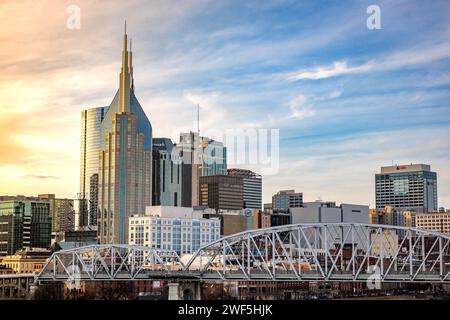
(130, 66)
(124, 88)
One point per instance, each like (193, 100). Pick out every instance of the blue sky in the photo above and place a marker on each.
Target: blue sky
(346, 99)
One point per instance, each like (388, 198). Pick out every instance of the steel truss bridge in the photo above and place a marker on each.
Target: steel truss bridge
(300, 252)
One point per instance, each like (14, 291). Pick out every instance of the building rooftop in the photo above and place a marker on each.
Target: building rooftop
(235, 172)
(406, 168)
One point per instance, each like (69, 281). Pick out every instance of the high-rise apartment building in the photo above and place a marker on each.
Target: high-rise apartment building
(285, 199)
(412, 187)
(91, 140)
(221, 192)
(167, 174)
(252, 187)
(24, 224)
(125, 162)
(62, 212)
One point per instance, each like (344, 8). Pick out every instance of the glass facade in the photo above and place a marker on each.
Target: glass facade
(91, 140)
(24, 224)
(125, 162)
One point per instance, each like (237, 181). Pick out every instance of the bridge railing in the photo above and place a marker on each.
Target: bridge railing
(333, 251)
(108, 262)
(303, 252)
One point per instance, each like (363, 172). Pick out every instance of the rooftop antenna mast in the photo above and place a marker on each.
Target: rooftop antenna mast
(202, 143)
(198, 119)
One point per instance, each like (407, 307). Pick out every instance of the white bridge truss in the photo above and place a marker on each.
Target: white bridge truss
(301, 252)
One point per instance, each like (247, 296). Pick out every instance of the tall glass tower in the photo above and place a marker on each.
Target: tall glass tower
(125, 161)
(91, 138)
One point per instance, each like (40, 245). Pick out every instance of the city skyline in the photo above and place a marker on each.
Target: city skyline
(332, 101)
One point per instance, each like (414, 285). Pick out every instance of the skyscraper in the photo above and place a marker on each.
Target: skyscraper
(91, 140)
(188, 151)
(252, 184)
(201, 156)
(125, 162)
(410, 187)
(221, 192)
(166, 174)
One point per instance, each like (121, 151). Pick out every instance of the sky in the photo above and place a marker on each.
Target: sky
(346, 99)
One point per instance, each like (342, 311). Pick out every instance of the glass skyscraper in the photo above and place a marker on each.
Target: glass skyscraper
(411, 187)
(125, 162)
(91, 138)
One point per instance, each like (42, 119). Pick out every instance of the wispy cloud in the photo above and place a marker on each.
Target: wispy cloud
(41, 177)
(411, 57)
(300, 108)
(335, 94)
(338, 68)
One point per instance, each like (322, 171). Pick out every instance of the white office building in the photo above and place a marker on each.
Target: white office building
(328, 212)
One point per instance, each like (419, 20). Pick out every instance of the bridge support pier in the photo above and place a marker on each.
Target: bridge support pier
(185, 291)
(32, 291)
(174, 288)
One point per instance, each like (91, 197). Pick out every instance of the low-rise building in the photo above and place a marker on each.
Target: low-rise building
(435, 221)
(27, 261)
(74, 239)
(183, 235)
(286, 199)
(323, 212)
(385, 242)
(329, 212)
(230, 223)
(392, 216)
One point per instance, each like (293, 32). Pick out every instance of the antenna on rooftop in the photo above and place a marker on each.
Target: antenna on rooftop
(198, 119)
